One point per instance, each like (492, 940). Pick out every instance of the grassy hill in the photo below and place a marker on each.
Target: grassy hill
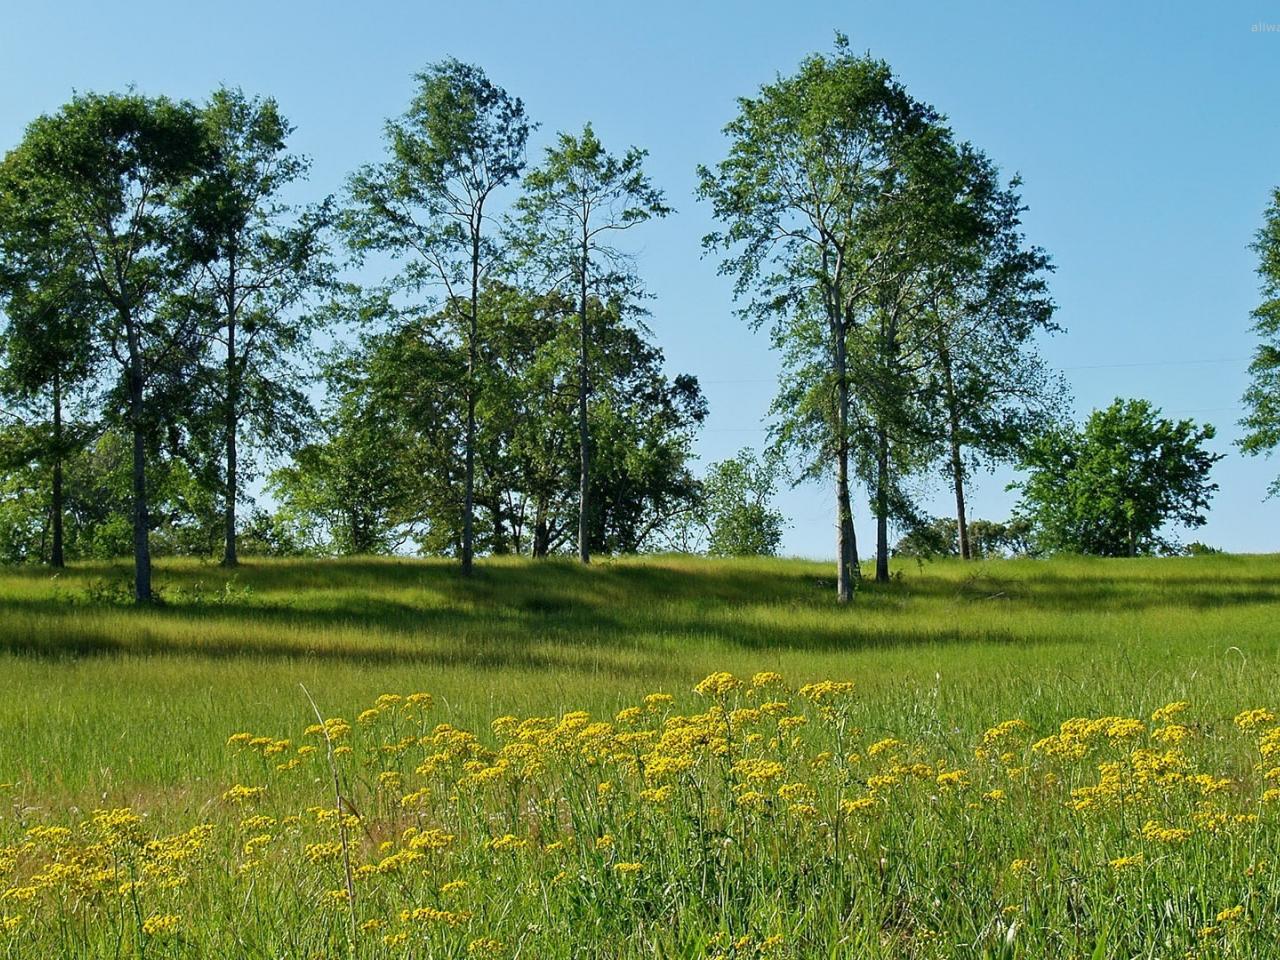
(111, 700)
(1075, 758)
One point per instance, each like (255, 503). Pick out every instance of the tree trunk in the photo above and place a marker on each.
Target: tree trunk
(882, 507)
(56, 559)
(584, 436)
(957, 459)
(141, 519)
(500, 544)
(468, 498)
(541, 534)
(232, 491)
(846, 543)
(962, 521)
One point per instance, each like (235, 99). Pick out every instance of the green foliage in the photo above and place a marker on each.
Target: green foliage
(1262, 398)
(572, 204)
(820, 188)
(1112, 487)
(344, 493)
(395, 444)
(996, 538)
(989, 539)
(736, 507)
(95, 189)
(888, 261)
(429, 206)
(97, 500)
(264, 262)
(935, 537)
(579, 198)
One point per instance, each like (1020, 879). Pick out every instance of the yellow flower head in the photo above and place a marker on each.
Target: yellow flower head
(827, 691)
(1252, 719)
(718, 685)
(160, 924)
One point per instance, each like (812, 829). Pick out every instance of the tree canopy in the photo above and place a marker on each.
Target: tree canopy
(1112, 487)
(1262, 398)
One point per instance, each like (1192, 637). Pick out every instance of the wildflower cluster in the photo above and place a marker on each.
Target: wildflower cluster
(727, 821)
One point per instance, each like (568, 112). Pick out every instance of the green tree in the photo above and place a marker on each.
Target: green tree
(1262, 398)
(996, 538)
(430, 205)
(642, 423)
(46, 350)
(984, 306)
(1110, 488)
(934, 537)
(573, 204)
(736, 506)
(530, 441)
(264, 259)
(818, 174)
(345, 493)
(97, 499)
(100, 178)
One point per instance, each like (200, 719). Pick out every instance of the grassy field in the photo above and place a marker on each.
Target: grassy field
(777, 838)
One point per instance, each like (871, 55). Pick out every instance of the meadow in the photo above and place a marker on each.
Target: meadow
(651, 757)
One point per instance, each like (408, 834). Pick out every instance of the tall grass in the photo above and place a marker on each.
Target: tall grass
(106, 700)
(103, 706)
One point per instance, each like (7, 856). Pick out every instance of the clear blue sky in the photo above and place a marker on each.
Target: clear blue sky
(1148, 135)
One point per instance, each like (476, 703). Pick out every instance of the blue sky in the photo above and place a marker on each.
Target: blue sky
(1147, 135)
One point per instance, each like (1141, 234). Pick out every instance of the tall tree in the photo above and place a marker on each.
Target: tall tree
(46, 353)
(816, 165)
(1262, 398)
(573, 204)
(1109, 488)
(461, 141)
(984, 308)
(264, 258)
(102, 175)
(945, 364)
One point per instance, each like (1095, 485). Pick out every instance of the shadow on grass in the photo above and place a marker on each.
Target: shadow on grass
(548, 615)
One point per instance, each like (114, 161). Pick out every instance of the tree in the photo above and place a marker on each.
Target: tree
(430, 204)
(100, 179)
(995, 538)
(97, 499)
(817, 166)
(935, 537)
(955, 300)
(263, 258)
(1262, 398)
(343, 494)
(1110, 488)
(405, 381)
(984, 306)
(736, 506)
(940, 537)
(46, 352)
(643, 423)
(572, 204)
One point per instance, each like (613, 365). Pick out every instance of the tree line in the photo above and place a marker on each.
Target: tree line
(177, 325)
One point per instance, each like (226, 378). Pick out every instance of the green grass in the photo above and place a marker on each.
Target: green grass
(103, 706)
(108, 701)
